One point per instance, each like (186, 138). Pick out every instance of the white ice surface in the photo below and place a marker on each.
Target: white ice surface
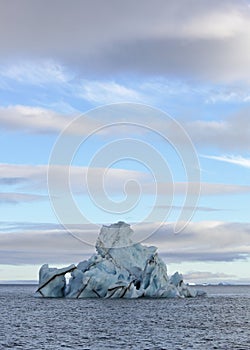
(119, 269)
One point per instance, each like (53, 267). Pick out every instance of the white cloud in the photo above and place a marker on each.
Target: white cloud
(237, 160)
(35, 177)
(55, 78)
(227, 133)
(206, 275)
(214, 24)
(52, 246)
(104, 92)
(32, 119)
(16, 197)
(230, 134)
(36, 73)
(229, 95)
(207, 189)
(190, 208)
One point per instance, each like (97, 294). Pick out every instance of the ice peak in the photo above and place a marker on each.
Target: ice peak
(116, 235)
(117, 224)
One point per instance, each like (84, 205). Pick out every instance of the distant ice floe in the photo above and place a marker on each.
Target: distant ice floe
(119, 269)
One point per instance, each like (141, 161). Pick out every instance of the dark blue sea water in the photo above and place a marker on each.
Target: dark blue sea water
(219, 321)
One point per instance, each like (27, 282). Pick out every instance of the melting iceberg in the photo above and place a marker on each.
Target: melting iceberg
(119, 269)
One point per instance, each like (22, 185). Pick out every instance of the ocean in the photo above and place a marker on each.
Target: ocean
(218, 321)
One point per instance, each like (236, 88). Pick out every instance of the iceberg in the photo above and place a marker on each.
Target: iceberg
(120, 268)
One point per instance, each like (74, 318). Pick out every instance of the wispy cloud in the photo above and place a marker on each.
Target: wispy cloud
(32, 119)
(36, 73)
(12, 181)
(207, 188)
(23, 226)
(48, 77)
(230, 134)
(16, 198)
(228, 95)
(104, 92)
(237, 160)
(35, 177)
(197, 208)
(206, 276)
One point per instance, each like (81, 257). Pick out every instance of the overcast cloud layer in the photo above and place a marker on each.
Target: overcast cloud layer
(202, 39)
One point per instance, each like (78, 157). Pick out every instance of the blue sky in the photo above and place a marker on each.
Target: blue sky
(183, 65)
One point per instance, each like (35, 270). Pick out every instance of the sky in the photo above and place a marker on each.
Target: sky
(133, 111)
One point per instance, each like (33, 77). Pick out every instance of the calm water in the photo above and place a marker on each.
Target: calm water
(220, 321)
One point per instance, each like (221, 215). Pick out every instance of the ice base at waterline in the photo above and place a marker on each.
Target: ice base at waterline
(119, 269)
